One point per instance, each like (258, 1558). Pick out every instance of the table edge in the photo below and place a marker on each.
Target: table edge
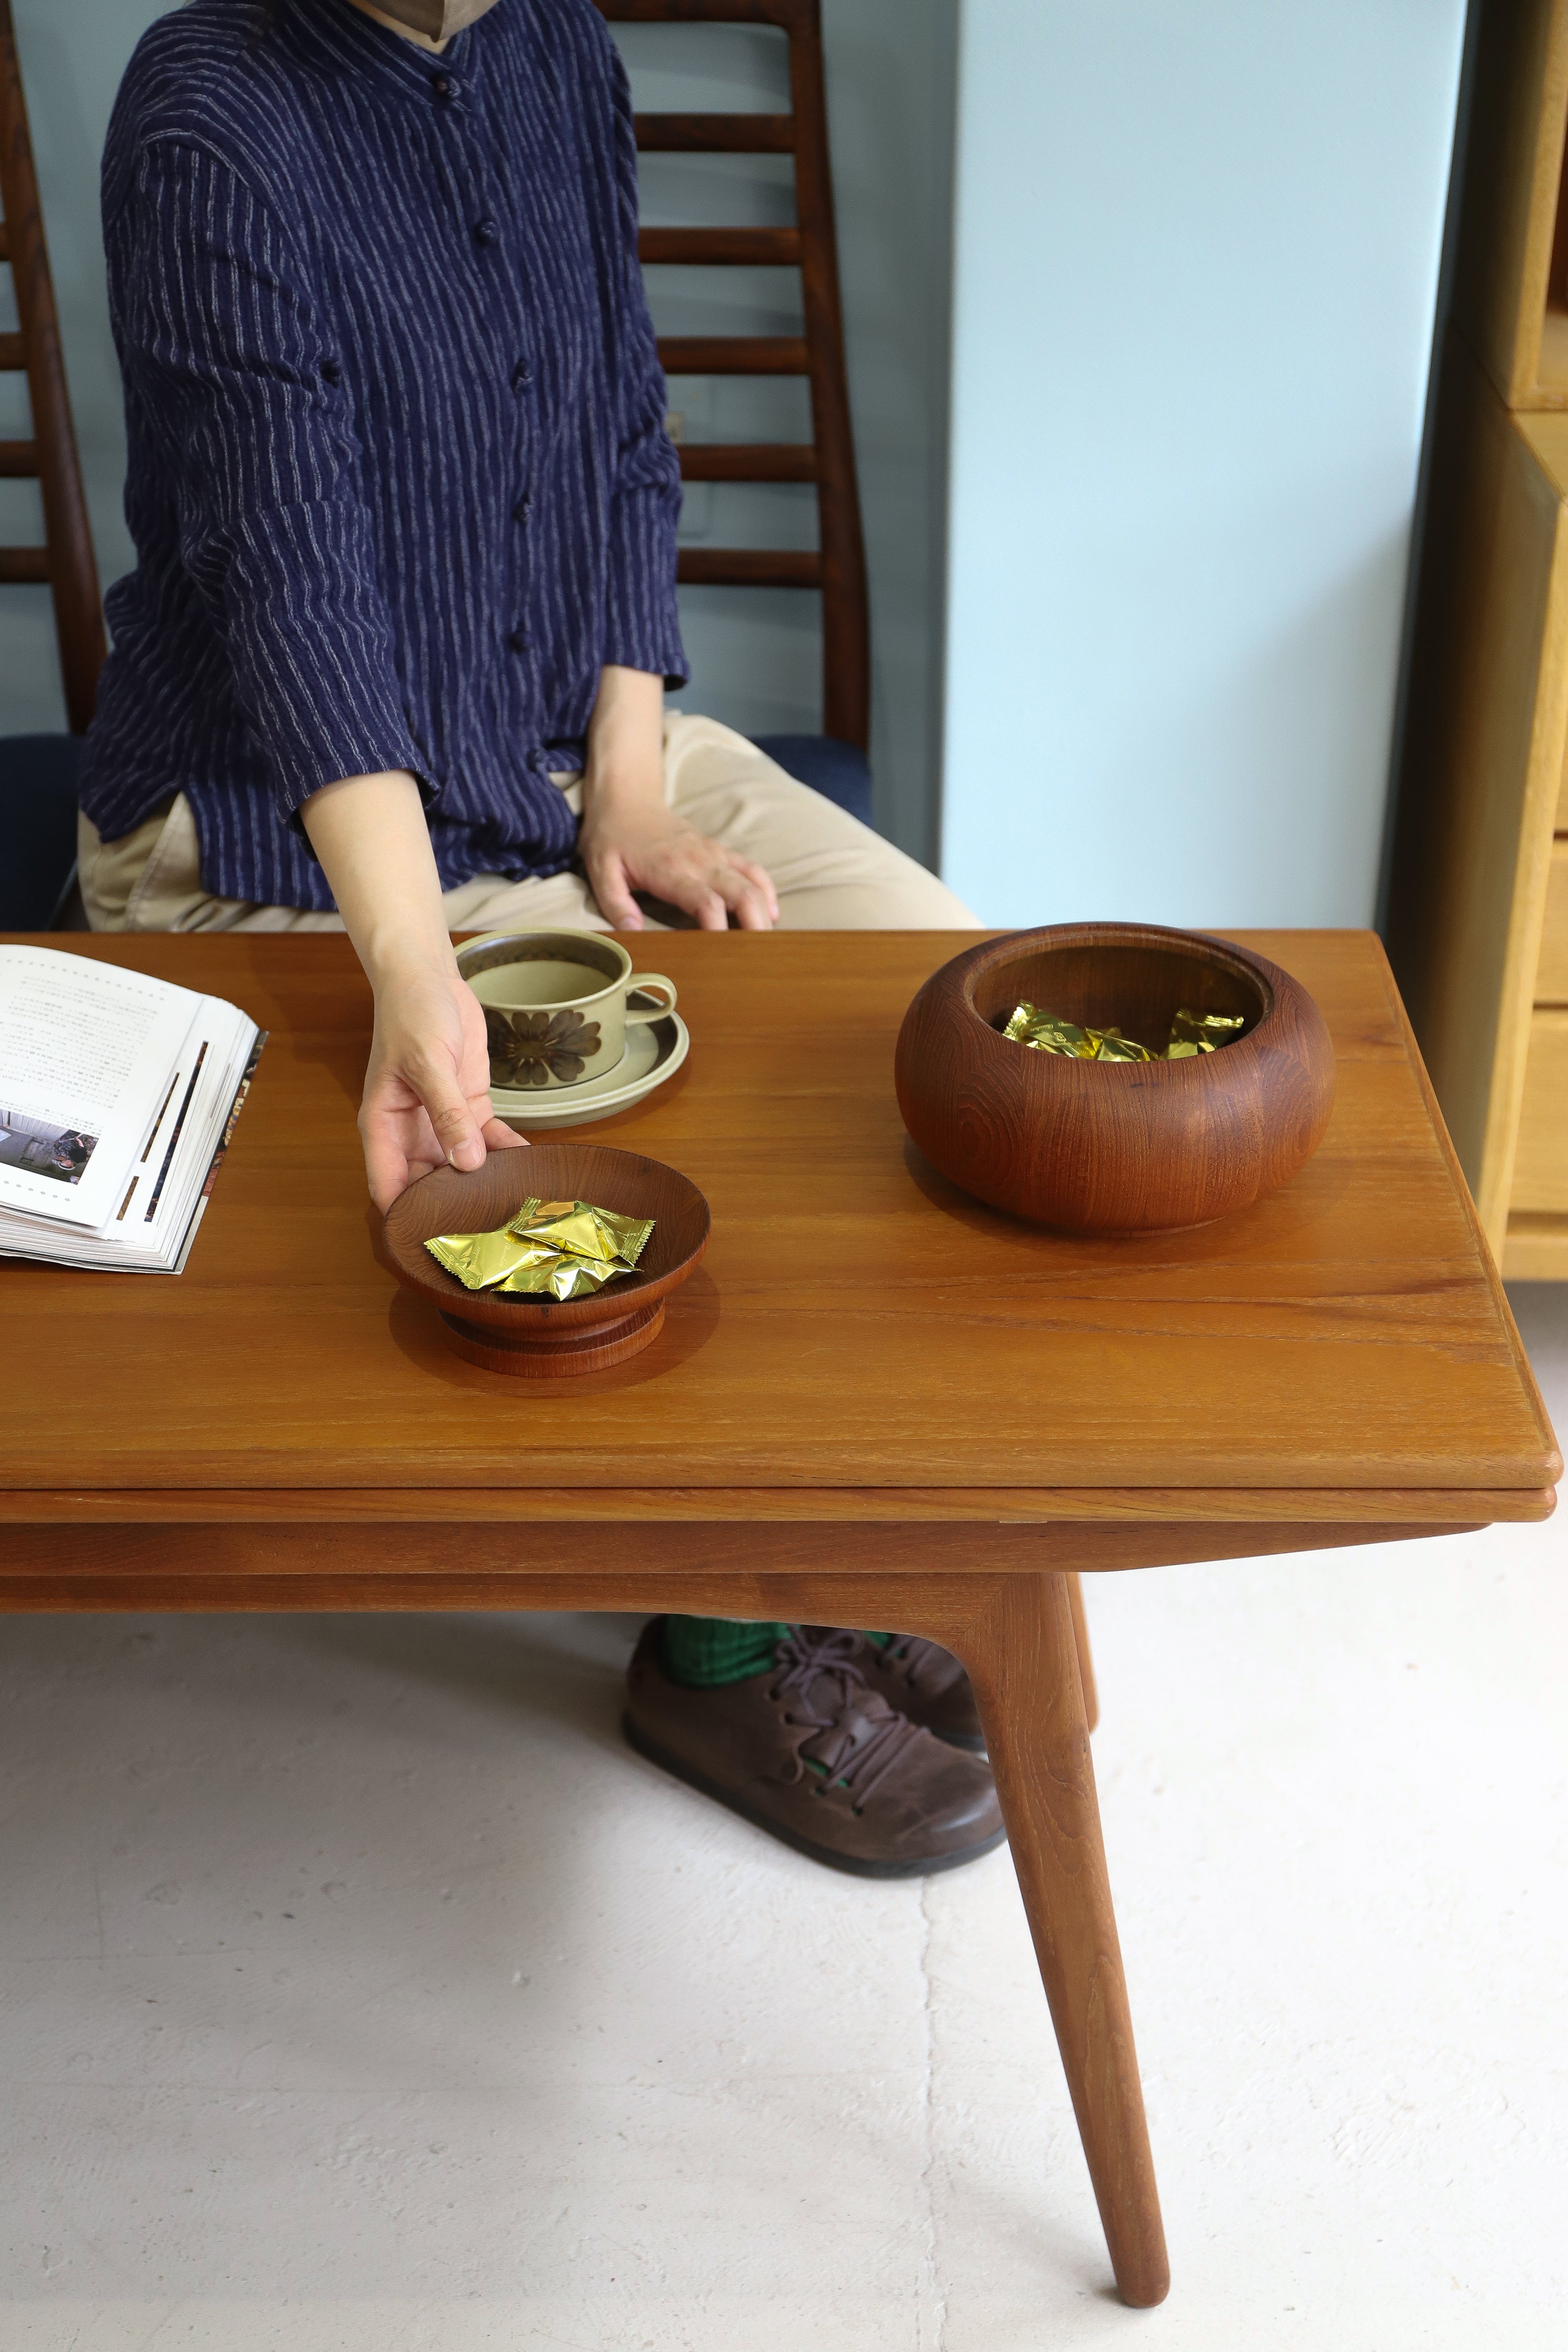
(750, 1505)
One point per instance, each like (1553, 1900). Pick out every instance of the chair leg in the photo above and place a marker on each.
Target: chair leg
(1022, 1657)
(1085, 1655)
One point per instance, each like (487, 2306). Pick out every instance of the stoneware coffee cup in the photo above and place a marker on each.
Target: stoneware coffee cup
(555, 1004)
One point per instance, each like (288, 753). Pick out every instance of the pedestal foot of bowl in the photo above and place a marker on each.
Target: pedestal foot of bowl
(547, 1355)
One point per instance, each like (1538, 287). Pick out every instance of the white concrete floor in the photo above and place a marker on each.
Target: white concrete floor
(359, 1992)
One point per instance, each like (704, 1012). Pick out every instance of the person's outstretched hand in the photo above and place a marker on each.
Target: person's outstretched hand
(427, 1086)
(630, 841)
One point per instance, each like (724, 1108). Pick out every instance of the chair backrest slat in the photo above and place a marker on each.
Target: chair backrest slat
(67, 562)
(837, 570)
(715, 134)
(736, 461)
(749, 567)
(734, 355)
(765, 248)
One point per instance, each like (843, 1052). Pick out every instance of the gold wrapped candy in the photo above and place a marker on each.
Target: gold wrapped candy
(579, 1230)
(1051, 1034)
(1191, 1032)
(552, 1276)
(480, 1261)
(1202, 1033)
(551, 1249)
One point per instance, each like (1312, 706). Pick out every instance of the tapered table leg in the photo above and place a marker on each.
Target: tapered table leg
(1022, 1657)
(1074, 1583)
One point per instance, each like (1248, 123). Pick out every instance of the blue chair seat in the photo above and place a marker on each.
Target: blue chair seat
(37, 827)
(835, 769)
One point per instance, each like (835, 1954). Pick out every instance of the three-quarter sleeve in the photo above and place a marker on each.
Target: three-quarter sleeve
(643, 624)
(218, 329)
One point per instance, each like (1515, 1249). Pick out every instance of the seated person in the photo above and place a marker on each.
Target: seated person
(394, 655)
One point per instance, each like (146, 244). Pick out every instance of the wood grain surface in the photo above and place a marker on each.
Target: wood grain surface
(725, 1569)
(1483, 764)
(1541, 1160)
(1023, 1660)
(1552, 972)
(1087, 1146)
(1257, 1507)
(283, 1427)
(543, 1339)
(1509, 290)
(856, 1325)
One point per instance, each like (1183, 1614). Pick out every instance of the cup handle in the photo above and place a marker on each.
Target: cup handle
(650, 980)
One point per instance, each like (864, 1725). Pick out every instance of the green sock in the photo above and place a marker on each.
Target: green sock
(706, 1653)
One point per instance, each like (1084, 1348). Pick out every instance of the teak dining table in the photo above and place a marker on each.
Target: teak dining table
(875, 1404)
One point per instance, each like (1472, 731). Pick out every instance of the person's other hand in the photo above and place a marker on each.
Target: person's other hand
(632, 841)
(427, 1087)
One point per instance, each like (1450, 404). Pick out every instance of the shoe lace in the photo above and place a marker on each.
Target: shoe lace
(912, 1654)
(817, 1669)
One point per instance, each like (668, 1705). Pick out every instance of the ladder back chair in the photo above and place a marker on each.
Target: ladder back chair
(38, 772)
(837, 567)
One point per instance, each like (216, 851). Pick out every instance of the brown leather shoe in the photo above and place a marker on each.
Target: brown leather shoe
(927, 1682)
(810, 1751)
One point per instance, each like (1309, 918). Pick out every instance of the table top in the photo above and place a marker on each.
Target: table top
(860, 1331)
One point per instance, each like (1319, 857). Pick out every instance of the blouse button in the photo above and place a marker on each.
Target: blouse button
(519, 640)
(522, 376)
(523, 510)
(485, 231)
(444, 89)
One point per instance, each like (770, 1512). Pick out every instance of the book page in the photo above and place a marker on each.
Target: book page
(86, 1052)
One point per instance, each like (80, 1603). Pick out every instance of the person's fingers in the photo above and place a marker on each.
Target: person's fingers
(607, 879)
(449, 1112)
(746, 904)
(764, 881)
(744, 893)
(499, 1137)
(386, 1164)
(691, 884)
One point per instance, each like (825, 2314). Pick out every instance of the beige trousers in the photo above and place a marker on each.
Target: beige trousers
(832, 873)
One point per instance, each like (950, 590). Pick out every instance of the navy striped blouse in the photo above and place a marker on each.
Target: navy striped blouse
(399, 480)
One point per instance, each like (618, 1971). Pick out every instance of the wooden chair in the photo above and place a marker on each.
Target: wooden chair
(38, 772)
(835, 763)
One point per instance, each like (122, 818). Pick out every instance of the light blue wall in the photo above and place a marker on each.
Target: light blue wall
(1196, 256)
(756, 653)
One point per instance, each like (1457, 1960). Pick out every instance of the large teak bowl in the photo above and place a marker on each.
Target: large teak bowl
(1114, 1146)
(547, 1338)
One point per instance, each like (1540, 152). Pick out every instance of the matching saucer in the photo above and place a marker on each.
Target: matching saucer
(654, 1052)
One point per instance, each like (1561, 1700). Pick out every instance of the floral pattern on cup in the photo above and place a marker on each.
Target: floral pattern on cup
(527, 1049)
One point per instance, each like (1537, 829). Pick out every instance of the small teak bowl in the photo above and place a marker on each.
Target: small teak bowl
(1114, 1146)
(550, 1338)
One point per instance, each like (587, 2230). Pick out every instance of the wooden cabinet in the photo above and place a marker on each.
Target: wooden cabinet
(1511, 282)
(1478, 914)
(1540, 1187)
(1551, 972)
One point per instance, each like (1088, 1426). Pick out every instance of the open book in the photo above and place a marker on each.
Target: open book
(117, 1095)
